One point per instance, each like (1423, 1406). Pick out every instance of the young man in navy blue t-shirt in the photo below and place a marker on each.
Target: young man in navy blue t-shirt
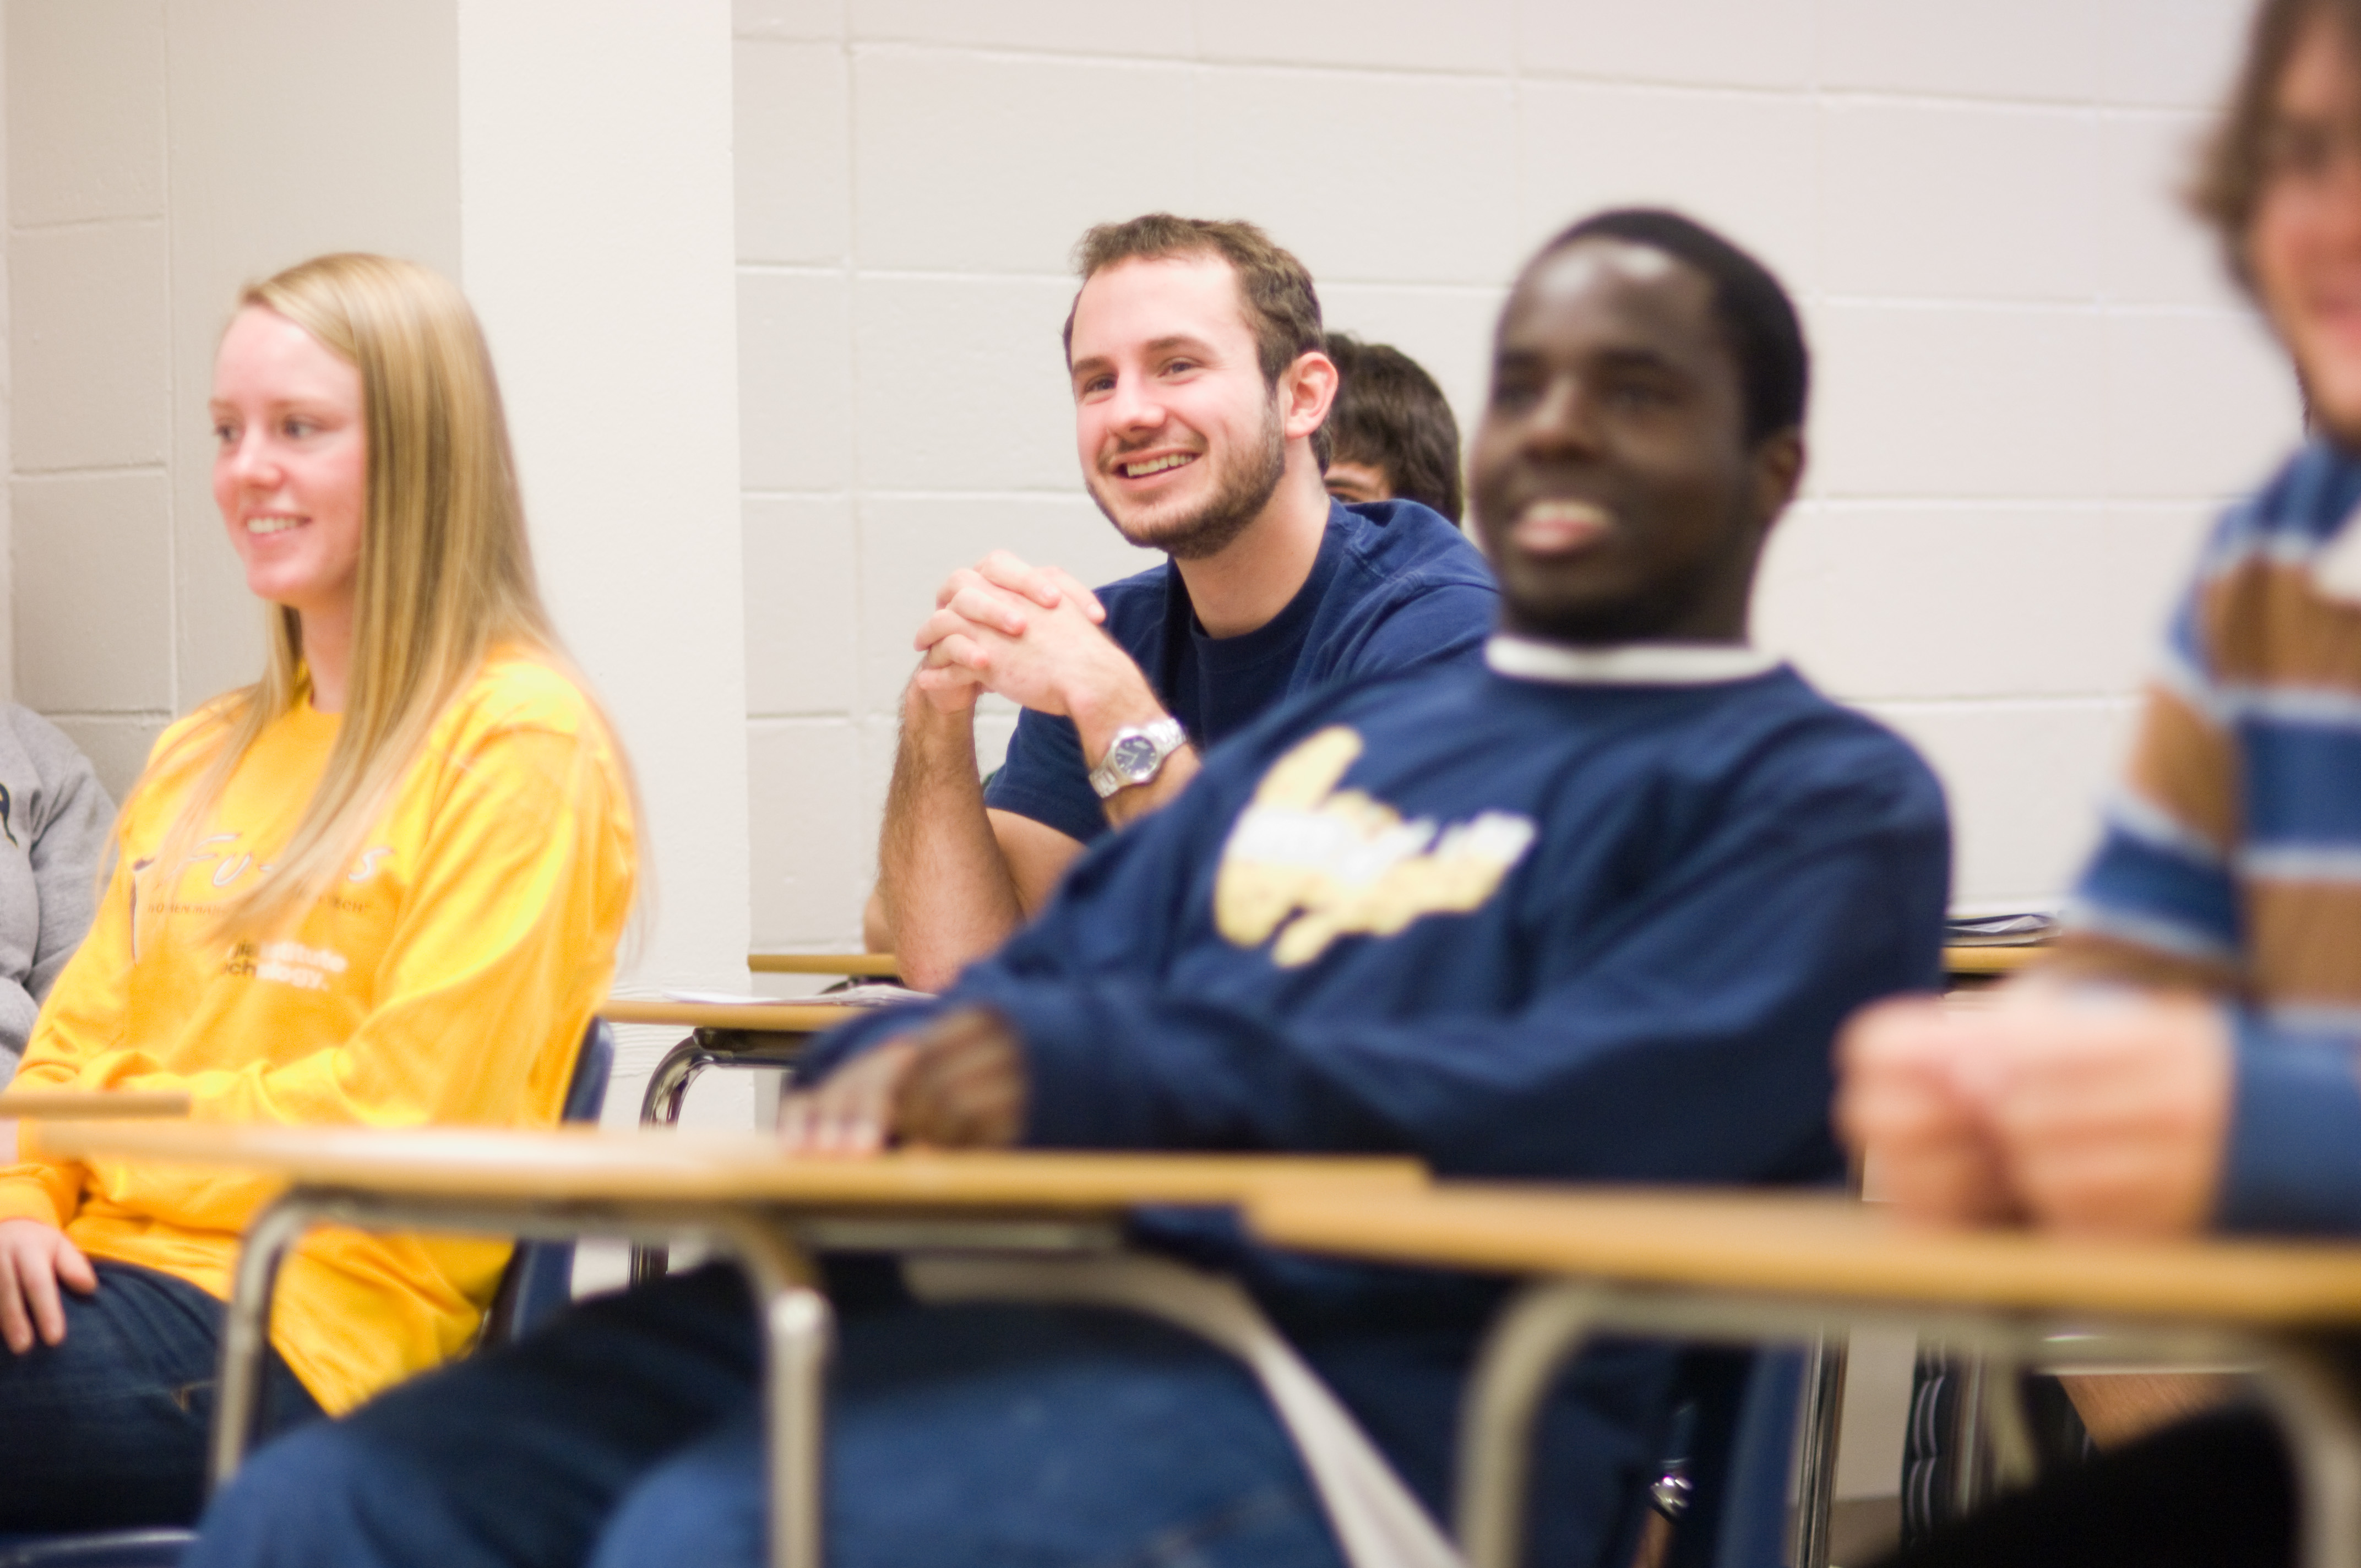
(1200, 392)
(1589, 910)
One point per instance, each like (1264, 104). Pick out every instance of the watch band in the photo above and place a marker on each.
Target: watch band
(1137, 755)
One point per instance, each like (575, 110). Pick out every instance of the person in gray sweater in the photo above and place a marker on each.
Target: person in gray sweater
(54, 820)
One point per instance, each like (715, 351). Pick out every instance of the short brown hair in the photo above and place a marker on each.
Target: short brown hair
(1389, 415)
(2234, 166)
(1275, 292)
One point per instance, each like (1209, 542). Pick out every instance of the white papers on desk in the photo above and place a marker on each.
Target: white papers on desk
(871, 996)
(2002, 931)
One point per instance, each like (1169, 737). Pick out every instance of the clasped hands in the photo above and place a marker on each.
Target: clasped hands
(959, 1082)
(2079, 1110)
(1028, 633)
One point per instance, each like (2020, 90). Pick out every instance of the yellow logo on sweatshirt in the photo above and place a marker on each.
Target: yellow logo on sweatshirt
(1323, 862)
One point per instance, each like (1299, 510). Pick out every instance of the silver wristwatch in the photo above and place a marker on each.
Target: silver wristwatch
(1137, 755)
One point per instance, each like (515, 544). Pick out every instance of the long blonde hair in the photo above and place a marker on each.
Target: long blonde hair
(445, 571)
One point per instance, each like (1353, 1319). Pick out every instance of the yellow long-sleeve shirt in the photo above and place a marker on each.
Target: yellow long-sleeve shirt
(447, 977)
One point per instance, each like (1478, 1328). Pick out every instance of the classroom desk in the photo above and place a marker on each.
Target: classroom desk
(1979, 962)
(865, 966)
(89, 1104)
(1748, 1264)
(744, 1018)
(736, 1191)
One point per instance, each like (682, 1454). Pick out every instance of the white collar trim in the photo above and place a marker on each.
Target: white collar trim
(1629, 663)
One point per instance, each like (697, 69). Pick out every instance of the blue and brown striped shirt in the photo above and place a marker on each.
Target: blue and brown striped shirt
(2232, 859)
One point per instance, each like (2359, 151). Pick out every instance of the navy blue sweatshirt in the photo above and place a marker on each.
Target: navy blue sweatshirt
(1535, 926)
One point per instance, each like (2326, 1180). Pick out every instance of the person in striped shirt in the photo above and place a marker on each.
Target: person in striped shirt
(2192, 1058)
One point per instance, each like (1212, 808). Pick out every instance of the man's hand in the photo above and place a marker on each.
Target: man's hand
(34, 1259)
(1030, 634)
(2084, 1110)
(2113, 1110)
(957, 1083)
(1900, 1107)
(980, 606)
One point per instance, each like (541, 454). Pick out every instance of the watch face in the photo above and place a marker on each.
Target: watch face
(1133, 756)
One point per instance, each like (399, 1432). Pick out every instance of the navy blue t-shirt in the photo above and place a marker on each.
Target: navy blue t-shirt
(1395, 586)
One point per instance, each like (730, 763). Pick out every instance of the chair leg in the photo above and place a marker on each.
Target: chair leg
(660, 1107)
(1822, 1419)
(1540, 1330)
(246, 1333)
(668, 1085)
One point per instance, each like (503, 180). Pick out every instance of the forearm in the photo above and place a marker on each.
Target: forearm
(1519, 1095)
(2293, 1163)
(946, 888)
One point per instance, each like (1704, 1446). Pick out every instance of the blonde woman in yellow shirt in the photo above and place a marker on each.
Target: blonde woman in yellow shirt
(382, 885)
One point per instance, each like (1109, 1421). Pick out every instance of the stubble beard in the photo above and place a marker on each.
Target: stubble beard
(1214, 526)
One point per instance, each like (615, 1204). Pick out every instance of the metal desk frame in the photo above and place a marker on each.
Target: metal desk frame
(1549, 1321)
(773, 1247)
(774, 1244)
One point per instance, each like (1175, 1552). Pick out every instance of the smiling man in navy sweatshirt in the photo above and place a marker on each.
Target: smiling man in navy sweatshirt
(1593, 911)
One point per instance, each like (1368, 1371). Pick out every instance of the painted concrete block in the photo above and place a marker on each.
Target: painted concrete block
(1965, 401)
(1961, 201)
(794, 163)
(1745, 163)
(1411, 35)
(1054, 27)
(1396, 178)
(879, 733)
(2024, 780)
(788, 18)
(1740, 43)
(802, 610)
(810, 858)
(998, 164)
(1880, 601)
(2175, 53)
(92, 586)
(90, 351)
(117, 746)
(963, 384)
(2157, 253)
(86, 108)
(2199, 403)
(2000, 48)
(794, 381)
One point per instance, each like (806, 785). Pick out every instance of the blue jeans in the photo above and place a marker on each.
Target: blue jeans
(627, 1434)
(964, 1435)
(107, 1428)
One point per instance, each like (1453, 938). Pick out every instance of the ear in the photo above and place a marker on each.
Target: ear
(1778, 465)
(1306, 388)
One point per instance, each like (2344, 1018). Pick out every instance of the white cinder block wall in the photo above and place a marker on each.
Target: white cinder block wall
(2032, 387)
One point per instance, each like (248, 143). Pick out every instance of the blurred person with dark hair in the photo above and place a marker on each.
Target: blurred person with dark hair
(2192, 1059)
(1391, 436)
(1202, 396)
(1589, 910)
